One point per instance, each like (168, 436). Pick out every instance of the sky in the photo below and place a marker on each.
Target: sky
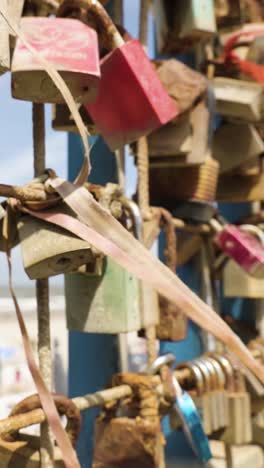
(16, 151)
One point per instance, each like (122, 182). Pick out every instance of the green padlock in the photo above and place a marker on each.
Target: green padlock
(113, 302)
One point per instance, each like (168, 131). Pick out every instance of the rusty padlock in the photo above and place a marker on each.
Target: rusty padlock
(135, 437)
(181, 25)
(127, 107)
(70, 46)
(17, 450)
(173, 322)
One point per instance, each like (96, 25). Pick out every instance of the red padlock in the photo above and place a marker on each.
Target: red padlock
(70, 46)
(132, 101)
(239, 244)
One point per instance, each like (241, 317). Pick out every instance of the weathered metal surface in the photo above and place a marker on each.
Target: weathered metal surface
(48, 250)
(237, 145)
(67, 44)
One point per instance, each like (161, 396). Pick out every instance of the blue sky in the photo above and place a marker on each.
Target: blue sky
(16, 152)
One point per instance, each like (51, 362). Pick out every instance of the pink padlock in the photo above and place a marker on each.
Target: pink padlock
(70, 46)
(243, 247)
(132, 101)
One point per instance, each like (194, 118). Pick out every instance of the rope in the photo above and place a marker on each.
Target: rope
(143, 177)
(42, 293)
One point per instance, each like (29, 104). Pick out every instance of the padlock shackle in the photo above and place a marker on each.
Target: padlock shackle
(254, 231)
(95, 11)
(64, 405)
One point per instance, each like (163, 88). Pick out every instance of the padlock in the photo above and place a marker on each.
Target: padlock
(48, 250)
(239, 431)
(240, 245)
(210, 378)
(17, 450)
(15, 9)
(113, 302)
(70, 46)
(183, 143)
(222, 408)
(63, 121)
(191, 421)
(130, 108)
(125, 442)
(228, 14)
(240, 188)
(238, 146)
(200, 397)
(4, 39)
(238, 283)
(239, 99)
(185, 85)
(168, 182)
(227, 373)
(255, 52)
(180, 26)
(239, 428)
(172, 321)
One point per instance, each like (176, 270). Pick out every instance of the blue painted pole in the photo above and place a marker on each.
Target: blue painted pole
(93, 358)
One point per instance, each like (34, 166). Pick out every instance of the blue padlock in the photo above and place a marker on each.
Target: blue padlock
(191, 422)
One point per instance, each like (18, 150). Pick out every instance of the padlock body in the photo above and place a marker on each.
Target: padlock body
(63, 121)
(186, 139)
(132, 101)
(242, 247)
(239, 99)
(237, 146)
(199, 18)
(173, 323)
(179, 26)
(70, 46)
(238, 283)
(48, 250)
(103, 304)
(170, 183)
(239, 430)
(127, 443)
